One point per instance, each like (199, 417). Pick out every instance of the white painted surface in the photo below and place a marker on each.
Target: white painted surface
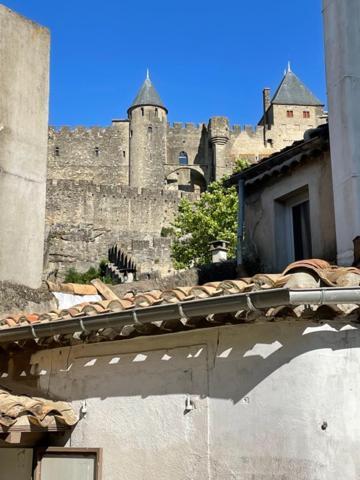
(67, 300)
(261, 395)
(24, 87)
(342, 46)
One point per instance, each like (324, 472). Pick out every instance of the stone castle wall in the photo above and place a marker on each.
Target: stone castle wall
(84, 220)
(90, 205)
(98, 154)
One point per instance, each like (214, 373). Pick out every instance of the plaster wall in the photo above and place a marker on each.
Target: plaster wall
(265, 234)
(24, 87)
(267, 401)
(342, 44)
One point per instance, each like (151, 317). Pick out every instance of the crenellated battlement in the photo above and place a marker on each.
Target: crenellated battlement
(118, 191)
(251, 130)
(65, 131)
(185, 127)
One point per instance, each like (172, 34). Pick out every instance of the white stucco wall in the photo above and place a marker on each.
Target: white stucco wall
(342, 45)
(24, 96)
(264, 230)
(262, 394)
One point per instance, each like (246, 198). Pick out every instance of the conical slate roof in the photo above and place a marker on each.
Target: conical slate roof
(147, 95)
(292, 91)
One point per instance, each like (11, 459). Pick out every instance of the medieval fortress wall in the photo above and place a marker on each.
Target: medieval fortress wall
(122, 184)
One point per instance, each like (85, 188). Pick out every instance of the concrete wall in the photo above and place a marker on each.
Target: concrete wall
(342, 44)
(275, 400)
(24, 87)
(264, 234)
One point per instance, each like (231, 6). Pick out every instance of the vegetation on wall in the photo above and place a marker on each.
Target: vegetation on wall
(73, 276)
(212, 217)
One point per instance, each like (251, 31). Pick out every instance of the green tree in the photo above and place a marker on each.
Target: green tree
(212, 217)
(240, 164)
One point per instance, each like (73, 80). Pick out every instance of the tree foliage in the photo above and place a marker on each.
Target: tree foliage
(73, 276)
(212, 217)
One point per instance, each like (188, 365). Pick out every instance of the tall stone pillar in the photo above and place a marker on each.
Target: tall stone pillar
(342, 47)
(219, 137)
(24, 93)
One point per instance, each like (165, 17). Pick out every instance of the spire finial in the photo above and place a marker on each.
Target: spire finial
(147, 74)
(288, 67)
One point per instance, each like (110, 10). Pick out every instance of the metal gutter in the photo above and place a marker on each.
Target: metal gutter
(250, 301)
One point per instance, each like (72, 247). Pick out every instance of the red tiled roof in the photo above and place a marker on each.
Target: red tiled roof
(37, 411)
(306, 274)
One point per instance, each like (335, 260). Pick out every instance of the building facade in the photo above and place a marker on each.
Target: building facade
(289, 205)
(122, 184)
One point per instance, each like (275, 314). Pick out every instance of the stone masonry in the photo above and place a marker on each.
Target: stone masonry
(122, 184)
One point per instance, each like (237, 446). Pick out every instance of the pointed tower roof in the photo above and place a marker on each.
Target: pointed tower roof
(292, 91)
(147, 95)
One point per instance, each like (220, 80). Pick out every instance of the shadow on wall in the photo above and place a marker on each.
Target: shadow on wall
(233, 359)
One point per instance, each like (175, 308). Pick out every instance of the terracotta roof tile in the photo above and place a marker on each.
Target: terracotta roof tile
(306, 274)
(38, 411)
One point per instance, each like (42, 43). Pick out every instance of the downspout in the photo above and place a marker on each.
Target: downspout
(240, 223)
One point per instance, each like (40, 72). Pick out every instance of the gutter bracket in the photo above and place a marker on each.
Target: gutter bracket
(250, 304)
(135, 318)
(183, 318)
(83, 329)
(33, 333)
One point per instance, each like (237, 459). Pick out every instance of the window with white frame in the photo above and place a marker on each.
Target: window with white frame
(293, 227)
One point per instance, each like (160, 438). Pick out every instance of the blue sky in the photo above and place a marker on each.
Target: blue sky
(205, 57)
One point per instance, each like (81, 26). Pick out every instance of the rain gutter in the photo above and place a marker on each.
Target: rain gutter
(251, 301)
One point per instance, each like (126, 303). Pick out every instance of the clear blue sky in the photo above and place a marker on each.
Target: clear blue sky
(205, 57)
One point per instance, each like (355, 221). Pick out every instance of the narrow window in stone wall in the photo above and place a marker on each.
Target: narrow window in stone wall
(183, 158)
(131, 133)
(124, 153)
(149, 131)
(156, 112)
(142, 111)
(306, 114)
(96, 151)
(57, 151)
(289, 113)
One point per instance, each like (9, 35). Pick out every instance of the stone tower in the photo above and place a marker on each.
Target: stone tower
(148, 132)
(219, 137)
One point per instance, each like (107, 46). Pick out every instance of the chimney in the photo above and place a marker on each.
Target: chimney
(266, 98)
(218, 250)
(266, 105)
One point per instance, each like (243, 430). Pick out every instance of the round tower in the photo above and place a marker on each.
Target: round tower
(148, 132)
(219, 137)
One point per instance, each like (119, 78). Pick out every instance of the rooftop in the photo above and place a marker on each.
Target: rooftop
(292, 91)
(314, 143)
(22, 413)
(309, 290)
(147, 95)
